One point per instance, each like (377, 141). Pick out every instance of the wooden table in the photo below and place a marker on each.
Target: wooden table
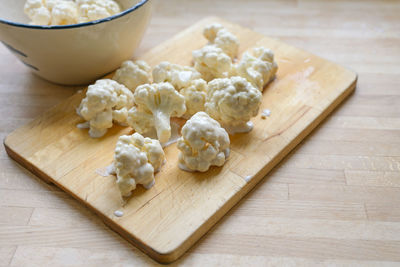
(334, 200)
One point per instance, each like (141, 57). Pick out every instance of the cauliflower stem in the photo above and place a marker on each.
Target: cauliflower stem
(162, 101)
(162, 124)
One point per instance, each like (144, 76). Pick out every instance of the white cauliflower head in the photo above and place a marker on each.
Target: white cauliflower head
(212, 62)
(210, 31)
(217, 35)
(259, 68)
(204, 143)
(162, 101)
(136, 159)
(90, 10)
(195, 97)
(52, 3)
(64, 13)
(232, 102)
(140, 120)
(51, 12)
(132, 74)
(106, 101)
(187, 81)
(178, 76)
(38, 12)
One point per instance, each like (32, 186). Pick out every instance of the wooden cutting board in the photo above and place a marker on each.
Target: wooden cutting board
(169, 218)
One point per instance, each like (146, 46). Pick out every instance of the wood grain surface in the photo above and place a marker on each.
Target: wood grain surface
(168, 219)
(334, 200)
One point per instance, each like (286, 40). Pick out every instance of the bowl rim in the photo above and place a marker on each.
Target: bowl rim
(78, 25)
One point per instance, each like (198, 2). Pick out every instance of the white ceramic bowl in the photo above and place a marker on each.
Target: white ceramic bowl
(78, 53)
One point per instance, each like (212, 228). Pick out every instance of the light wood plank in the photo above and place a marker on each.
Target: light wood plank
(377, 178)
(307, 176)
(366, 123)
(124, 257)
(55, 236)
(32, 198)
(14, 176)
(15, 215)
(361, 110)
(332, 132)
(311, 228)
(230, 259)
(371, 82)
(346, 148)
(6, 254)
(294, 209)
(76, 216)
(382, 212)
(74, 256)
(366, 194)
(341, 162)
(320, 248)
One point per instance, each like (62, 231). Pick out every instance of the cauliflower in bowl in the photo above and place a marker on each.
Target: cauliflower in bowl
(66, 12)
(204, 143)
(136, 159)
(232, 102)
(90, 10)
(51, 12)
(106, 101)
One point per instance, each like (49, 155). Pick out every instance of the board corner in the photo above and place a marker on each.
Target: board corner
(7, 146)
(167, 256)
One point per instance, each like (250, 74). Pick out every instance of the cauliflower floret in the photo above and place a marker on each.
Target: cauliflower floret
(212, 62)
(51, 12)
(195, 97)
(105, 101)
(178, 76)
(160, 101)
(132, 74)
(90, 10)
(50, 4)
(187, 81)
(232, 102)
(37, 11)
(140, 120)
(64, 13)
(136, 159)
(217, 35)
(203, 143)
(210, 31)
(259, 69)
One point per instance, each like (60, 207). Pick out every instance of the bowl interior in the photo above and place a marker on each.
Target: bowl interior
(13, 10)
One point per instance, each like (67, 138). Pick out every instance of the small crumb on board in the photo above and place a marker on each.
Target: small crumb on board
(248, 178)
(118, 213)
(265, 113)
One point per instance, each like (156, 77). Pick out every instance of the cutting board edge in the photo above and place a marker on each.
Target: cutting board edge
(154, 254)
(174, 253)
